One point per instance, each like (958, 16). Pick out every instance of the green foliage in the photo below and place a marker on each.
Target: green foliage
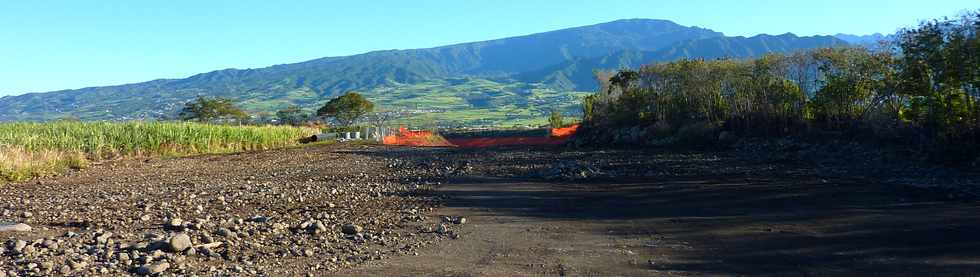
(474, 102)
(940, 77)
(292, 115)
(588, 107)
(210, 109)
(697, 91)
(347, 108)
(34, 149)
(556, 120)
(930, 90)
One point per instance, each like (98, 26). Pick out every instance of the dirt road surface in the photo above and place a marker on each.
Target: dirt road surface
(529, 212)
(704, 215)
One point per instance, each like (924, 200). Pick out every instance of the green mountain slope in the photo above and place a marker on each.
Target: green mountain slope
(560, 62)
(577, 74)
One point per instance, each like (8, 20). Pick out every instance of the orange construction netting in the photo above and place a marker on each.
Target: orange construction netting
(407, 137)
(564, 131)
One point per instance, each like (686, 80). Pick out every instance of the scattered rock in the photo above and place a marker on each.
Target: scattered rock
(29, 249)
(175, 223)
(318, 227)
(225, 232)
(155, 211)
(180, 242)
(103, 238)
(19, 227)
(209, 245)
(459, 220)
(151, 269)
(50, 244)
(259, 219)
(351, 229)
(18, 246)
(442, 229)
(77, 265)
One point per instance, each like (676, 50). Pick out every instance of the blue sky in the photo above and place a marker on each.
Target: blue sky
(51, 45)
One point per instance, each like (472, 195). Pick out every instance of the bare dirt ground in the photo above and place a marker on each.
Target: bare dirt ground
(686, 213)
(529, 212)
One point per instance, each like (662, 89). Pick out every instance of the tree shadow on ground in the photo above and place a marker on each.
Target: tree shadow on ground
(779, 227)
(772, 223)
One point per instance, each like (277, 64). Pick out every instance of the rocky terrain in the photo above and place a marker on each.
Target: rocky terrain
(780, 209)
(282, 212)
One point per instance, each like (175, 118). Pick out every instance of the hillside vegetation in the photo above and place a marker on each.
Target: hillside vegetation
(561, 61)
(36, 149)
(927, 95)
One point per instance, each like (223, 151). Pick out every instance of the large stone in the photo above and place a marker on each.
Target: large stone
(18, 227)
(77, 265)
(180, 242)
(318, 227)
(151, 269)
(224, 232)
(351, 229)
(103, 238)
(175, 223)
(18, 246)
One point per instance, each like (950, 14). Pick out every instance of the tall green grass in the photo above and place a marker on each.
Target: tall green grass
(35, 149)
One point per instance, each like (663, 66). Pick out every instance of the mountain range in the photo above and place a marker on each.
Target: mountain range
(524, 76)
(871, 41)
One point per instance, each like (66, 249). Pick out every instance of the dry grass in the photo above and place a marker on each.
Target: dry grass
(16, 163)
(29, 150)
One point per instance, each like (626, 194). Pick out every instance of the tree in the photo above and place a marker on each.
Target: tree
(940, 74)
(556, 119)
(625, 79)
(292, 115)
(208, 109)
(347, 108)
(381, 119)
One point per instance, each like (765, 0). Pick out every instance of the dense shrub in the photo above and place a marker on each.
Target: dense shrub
(922, 90)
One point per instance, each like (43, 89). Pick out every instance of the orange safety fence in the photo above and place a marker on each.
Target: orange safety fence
(407, 137)
(564, 131)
